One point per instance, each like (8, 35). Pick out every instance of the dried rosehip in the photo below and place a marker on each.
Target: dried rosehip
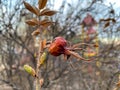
(58, 46)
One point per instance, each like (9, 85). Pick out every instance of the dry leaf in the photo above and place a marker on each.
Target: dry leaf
(101, 20)
(107, 24)
(36, 32)
(108, 19)
(89, 20)
(46, 23)
(42, 3)
(36, 11)
(96, 45)
(32, 22)
(113, 20)
(47, 12)
(31, 8)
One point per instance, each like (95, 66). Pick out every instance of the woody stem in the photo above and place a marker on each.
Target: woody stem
(38, 87)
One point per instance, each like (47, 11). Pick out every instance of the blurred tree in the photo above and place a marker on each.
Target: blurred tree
(17, 47)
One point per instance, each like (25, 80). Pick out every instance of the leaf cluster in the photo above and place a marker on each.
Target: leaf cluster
(39, 11)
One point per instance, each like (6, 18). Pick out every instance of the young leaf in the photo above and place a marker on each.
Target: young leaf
(30, 70)
(118, 84)
(43, 58)
(32, 22)
(47, 12)
(31, 8)
(42, 3)
(44, 43)
(41, 82)
(98, 64)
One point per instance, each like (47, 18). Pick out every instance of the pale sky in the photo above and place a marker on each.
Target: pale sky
(116, 3)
